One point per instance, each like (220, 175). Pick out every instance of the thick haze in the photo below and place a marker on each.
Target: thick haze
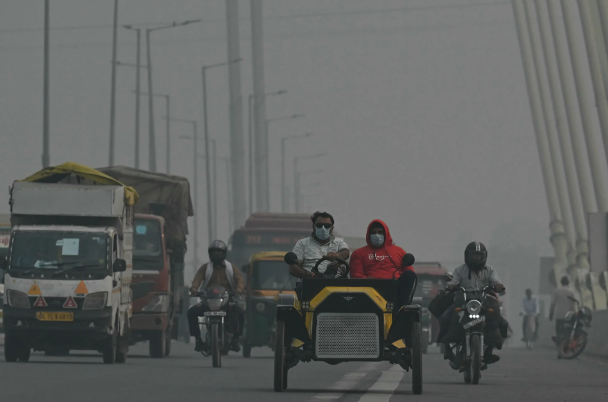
(420, 105)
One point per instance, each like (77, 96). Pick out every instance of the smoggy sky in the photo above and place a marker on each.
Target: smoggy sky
(421, 106)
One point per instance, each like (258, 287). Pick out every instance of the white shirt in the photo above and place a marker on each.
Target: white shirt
(309, 251)
(470, 280)
(529, 306)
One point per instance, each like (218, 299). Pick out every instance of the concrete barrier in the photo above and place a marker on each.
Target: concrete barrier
(598, 333)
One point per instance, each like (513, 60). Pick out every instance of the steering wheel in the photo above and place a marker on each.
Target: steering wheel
(336, 259)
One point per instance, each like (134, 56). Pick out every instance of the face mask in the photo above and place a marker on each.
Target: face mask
(322, 233)
(376, 239)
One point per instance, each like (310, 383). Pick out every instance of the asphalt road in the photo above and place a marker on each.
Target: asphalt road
(186, 376)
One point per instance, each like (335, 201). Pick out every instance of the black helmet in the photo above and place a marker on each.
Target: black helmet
(217, 245)
(475, 255)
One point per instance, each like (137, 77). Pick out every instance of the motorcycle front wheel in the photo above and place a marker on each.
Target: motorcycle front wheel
(572, 346)
(216, 352)
(476, 349)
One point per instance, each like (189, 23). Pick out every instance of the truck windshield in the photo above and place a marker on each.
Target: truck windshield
(272, 275)
(58, 250)
(147, 252)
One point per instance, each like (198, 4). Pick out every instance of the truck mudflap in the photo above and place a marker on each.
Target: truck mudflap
(149, 322)
(92, 325)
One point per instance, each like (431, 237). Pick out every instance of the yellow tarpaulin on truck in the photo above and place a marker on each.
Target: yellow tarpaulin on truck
(55, 174)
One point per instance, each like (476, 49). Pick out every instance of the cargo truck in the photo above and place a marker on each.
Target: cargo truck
(68, 272)
(159, 295)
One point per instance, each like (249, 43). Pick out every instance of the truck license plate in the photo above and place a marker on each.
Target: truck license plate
(50, 316)
(474, 322)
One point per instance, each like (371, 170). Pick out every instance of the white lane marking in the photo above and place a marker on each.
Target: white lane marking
(386, 385)
(347, 382)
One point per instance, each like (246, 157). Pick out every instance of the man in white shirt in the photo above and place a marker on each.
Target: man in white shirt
(321, 243)
(563, 301)
(529, 307)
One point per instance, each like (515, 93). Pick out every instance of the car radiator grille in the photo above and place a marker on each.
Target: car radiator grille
(347, 336)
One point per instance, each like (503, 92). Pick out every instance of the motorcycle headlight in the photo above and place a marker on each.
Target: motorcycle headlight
(160, 302)
(95, 301)
(17, 299)
(474, 307)
(260, 306)
(215, 304)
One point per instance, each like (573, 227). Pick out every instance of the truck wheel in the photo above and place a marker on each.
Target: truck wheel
(24, 352)
(167, 345)
(416, 359)
(157, 344)
(246, 349)
(109, 351)
(11, 348)
(280, 369)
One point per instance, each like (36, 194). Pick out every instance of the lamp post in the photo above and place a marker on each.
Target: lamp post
(168, 128)
(137, 90)
(266, 125)
(195, 179)
(206, 133)
(46, 160)
(250, 134)
(283, 189)
(113, 85)
(296, 177)
(152, 140)
(226, 160)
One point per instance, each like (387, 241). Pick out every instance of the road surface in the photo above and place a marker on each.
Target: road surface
(521, 375)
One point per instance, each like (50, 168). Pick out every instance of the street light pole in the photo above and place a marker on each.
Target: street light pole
(296, 178)
(283, 186)
(113, 85)
(152, 140)
(214, 167)
(251, 152)
(206, 139)
(168, 127)
(45, 97)
(137, 90)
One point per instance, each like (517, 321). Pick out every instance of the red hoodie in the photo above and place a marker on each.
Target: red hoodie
(377, 262)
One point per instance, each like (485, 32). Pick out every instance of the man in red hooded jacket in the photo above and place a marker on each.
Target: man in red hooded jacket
(381, 259)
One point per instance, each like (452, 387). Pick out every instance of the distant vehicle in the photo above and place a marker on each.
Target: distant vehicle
(68, 276)
(430, 281)
(159, 246)
(5, 234)
(267, 232)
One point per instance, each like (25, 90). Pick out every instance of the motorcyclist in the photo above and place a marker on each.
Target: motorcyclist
(224, 274)
(381, 259)
(562, 303)
(529, 307)
(473, 275)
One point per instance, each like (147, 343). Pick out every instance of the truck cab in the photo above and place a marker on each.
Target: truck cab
(68, 271)
(151, 286)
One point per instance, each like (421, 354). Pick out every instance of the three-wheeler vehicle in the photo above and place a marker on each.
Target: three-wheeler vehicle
(335, 320)
(267, 277)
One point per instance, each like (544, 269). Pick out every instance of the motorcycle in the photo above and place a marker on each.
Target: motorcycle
(219, 330)
(472, 316)
(573, 338)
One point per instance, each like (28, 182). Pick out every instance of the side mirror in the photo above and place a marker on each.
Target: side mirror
(408, 260)
(245, 269)
(291, 258)
(3, 263)
(120, 265)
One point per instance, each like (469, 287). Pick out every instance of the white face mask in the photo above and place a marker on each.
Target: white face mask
(377, 240)
(322, 233)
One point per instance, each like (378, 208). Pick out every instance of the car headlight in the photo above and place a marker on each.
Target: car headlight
(160, 302)
(95, 301)
(17, 299)
(260, 306)
(215, 304)
(474, 307)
